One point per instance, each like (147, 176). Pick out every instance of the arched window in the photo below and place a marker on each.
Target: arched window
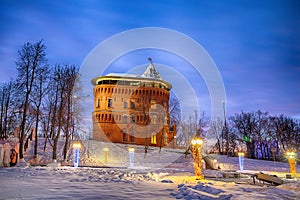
(132, 105)
(153, 139)
(110, 103)
(132, 119)
(98, 103)
(125, 118)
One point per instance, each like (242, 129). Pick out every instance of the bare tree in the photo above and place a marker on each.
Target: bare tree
(189, 128)
(216, 129)
(59, 106)
(31, 57)
(71, 73)
(174, 110)
(245, 124)
(286, 133)
(145, 103)
(60, 102)
(5, 105)
(40, 89)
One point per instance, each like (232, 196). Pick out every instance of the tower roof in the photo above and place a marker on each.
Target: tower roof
(151, 72)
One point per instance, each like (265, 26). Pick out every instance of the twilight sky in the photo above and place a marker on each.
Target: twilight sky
(254, 44)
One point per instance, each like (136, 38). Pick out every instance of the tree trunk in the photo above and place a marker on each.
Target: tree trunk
(67, 128)
(36, 132)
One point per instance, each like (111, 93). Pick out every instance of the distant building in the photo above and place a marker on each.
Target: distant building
(132, 109)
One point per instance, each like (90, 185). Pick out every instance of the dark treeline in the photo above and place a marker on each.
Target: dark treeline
(41, 101)
(259, 134)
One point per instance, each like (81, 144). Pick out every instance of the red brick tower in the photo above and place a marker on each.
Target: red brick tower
(132, 109)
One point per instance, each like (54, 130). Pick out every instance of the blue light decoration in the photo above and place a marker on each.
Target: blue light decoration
(76, 153)
(131, 157)
(241, 160)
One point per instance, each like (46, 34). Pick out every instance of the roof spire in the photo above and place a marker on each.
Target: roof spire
(151, 72)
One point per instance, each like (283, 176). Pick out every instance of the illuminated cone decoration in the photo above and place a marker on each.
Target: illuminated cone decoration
(196, 149)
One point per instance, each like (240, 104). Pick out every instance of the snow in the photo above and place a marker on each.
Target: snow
(165, 178)
(79, 183)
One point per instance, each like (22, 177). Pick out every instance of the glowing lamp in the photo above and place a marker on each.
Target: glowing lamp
(76, 145)
(197, 142)
(292, 161)
(105, 149)
(196, 149)
(131, 149)
(241, 154)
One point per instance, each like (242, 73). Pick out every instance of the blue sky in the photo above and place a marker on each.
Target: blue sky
(255, 44)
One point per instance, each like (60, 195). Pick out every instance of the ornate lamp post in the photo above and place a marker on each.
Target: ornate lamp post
(292, 161)
(196, 149)
(76, 153)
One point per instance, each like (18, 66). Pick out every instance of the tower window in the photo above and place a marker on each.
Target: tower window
(153, 139)
(110, 103)
(132, 105)
(125, 119)
(98, 103)
(132, 119)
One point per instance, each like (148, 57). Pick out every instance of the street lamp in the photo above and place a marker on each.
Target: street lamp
(76, 152)
(292, 161)
(225, 128)
(196, 149)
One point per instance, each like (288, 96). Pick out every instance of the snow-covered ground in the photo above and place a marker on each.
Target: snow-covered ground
(173, 180)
